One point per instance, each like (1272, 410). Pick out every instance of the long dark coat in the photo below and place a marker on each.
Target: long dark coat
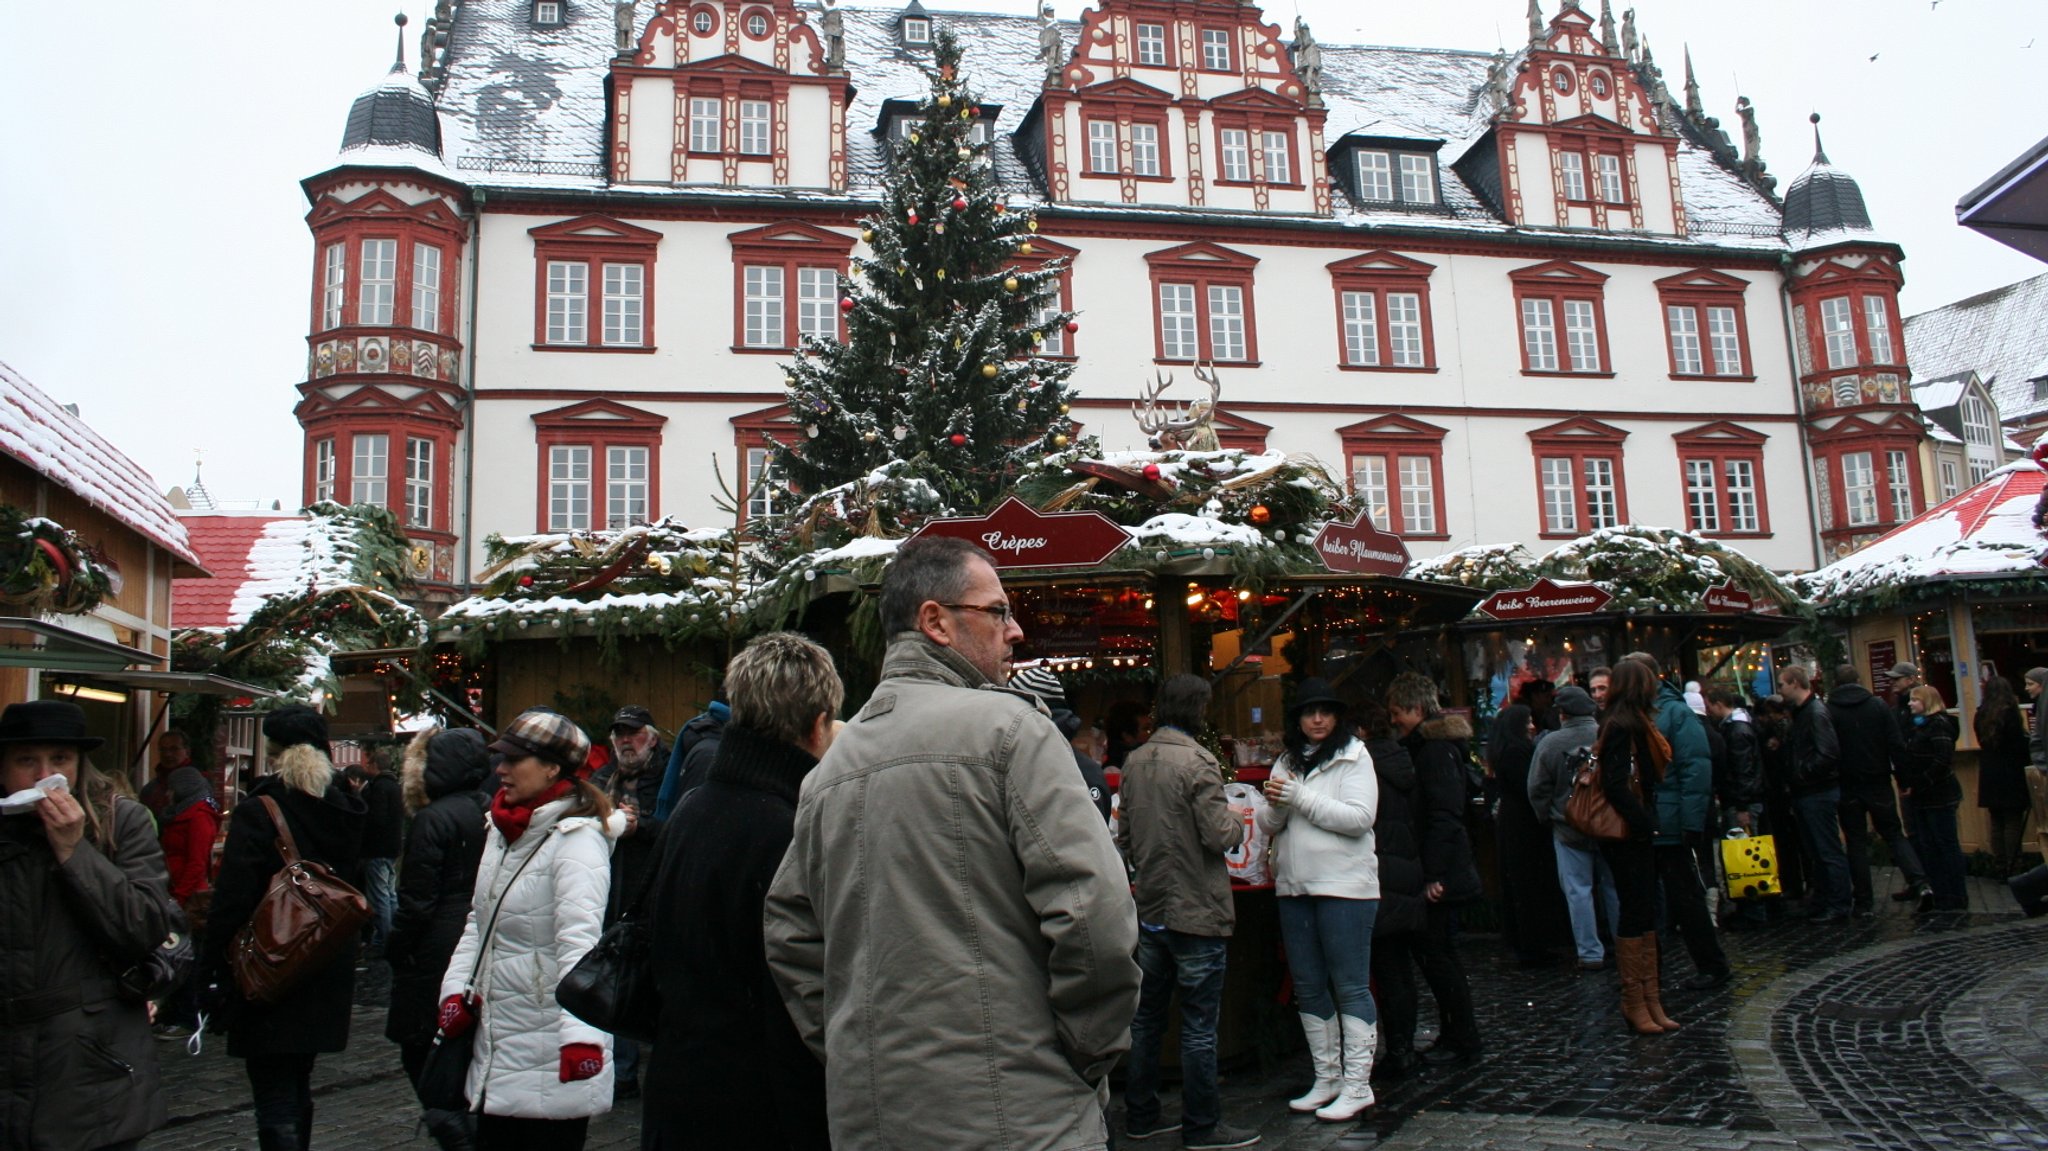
(1533, 904)
(728, 1068)
(634, 855)
(1440, 747)
(328, 828)
(1396, 841)
(2002, 765)
(77, 1066)
(446, 774)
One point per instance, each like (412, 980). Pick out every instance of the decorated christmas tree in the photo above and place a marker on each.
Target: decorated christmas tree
(938, 382)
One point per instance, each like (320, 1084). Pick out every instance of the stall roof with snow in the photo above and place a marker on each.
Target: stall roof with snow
(1989, 532)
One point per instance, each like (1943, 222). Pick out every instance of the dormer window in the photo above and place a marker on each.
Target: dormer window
(978, 133)
(1980, 435)
(1152, 45)
(917, 30)
(1216, 49)
(702, 22)
(1386, 176)
(757, 25)
(547, 13)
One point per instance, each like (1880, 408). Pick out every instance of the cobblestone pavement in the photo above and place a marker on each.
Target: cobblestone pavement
(1898, 1032)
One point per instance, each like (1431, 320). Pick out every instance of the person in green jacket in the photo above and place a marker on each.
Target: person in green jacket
(1682, 799)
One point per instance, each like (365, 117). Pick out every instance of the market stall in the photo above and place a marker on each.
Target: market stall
(1961, 592)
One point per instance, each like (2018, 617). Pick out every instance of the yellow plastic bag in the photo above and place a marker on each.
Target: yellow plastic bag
(1749, 867)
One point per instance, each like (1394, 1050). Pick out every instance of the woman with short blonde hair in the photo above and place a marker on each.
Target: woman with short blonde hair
(1927, 778)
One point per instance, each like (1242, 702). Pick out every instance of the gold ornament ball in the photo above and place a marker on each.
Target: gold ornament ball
(942, 273)
(1063, 409)
(1060, 440)
(867, 235)
(988, 371)
(945, 101)
(1010, 284)
(915, 137)
(1024, 249)
(1032, 224)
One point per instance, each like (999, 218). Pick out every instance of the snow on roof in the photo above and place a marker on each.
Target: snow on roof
(1987, 530)
(223, 542)
(1946, 392)
(524, 107)
(288, 554)
(2002, 335)
(58, 445)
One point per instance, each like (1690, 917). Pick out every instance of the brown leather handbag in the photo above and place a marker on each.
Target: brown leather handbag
(1588, 810)
(306, 918)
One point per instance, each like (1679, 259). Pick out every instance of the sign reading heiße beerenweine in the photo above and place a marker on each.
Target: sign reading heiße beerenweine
(1361, 547)
(1020, 536)
(1545, 597)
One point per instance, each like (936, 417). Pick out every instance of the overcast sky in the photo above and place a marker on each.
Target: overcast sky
(155, 265)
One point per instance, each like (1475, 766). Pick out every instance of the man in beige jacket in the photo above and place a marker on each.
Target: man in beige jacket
(952, 929)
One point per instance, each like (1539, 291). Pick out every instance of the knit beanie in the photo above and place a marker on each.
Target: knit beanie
(1041, 682)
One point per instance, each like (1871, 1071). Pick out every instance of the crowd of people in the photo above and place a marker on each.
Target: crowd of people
(927, 924)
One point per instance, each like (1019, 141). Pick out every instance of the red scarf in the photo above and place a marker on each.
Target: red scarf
(512, 818)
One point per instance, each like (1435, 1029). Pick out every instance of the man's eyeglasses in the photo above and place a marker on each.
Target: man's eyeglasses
(999, 610)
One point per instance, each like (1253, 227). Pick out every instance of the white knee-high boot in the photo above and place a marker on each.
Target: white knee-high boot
(1324, 1053)
(1360, 1040)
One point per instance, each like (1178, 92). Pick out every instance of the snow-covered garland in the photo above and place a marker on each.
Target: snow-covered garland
(1643, 568)
(660, 579)
(45, 566)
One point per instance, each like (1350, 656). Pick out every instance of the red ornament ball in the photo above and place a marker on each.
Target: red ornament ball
(957, 440)
(846, 303)
(526, 581)
(911, 215)
(1073, 326)
(959, 203)
(1261, 514)
(2040, 452)
(1152, 471)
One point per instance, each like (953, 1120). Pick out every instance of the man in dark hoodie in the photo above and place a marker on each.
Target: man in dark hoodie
(1581, 870)
(1871, 745)
(1441, 746)
(1813, 775)
(687, 764)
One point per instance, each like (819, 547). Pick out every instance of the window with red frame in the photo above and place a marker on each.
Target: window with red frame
(1706, 327)
(600, 466)
(1216, 50)
(1396, 468)
(787, 280)
(1202, 296)
(1383, 317)
(594, 286)
(1563, 319)
(1058, 342)
(1580, 485)
(1856, 328)
(1592, 175)
(1724, 490)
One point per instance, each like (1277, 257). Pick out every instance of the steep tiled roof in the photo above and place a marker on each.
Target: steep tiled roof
(2002, 335)
(223, 543)
(43, 434)
(524, 107)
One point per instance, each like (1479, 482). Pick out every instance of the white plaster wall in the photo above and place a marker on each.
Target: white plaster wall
(1532, 157)
(1653, 184)
(810, 137)
(652, 129)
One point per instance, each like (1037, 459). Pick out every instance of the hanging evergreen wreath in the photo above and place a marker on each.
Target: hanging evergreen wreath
(44, 566)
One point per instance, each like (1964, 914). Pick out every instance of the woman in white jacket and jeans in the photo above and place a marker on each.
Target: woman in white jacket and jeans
(1324, 800)
(538, 1073)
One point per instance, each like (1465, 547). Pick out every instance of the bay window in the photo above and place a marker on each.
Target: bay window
(323, 470)
(369, 470)
(426, 287)
(378, 283)
(419, 482)
(333, 285)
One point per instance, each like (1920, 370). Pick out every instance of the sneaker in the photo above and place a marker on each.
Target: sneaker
(1221, 1135)
(170, 1032)
(1140, 1131)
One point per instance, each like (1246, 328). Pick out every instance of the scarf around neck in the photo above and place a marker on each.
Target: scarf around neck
(512, 818)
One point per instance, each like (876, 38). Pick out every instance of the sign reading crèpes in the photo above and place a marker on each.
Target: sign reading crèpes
(1545, 597)
(1726, 597)
(1020, 536)
(1361, 547)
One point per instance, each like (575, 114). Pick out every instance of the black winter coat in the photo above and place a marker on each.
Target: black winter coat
(1812, 753)
(384, 825)
(1397, 841)
(434, 886)
(1927, 766)
(1868, 734)
(1742, 783)
(328, 828)
(1441, 748)
(635, 853)
(1625, 776)
(728, 1068)
(66, 933)
(2002, 765)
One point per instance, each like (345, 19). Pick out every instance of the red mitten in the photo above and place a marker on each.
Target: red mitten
(458, 1015)
(581, 1061)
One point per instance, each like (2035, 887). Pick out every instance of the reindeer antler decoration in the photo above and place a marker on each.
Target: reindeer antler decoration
(1170, 426)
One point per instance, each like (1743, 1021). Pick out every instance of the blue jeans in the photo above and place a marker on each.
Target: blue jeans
(1820, 828)
(1942, 854)
(625, 1061)
(1329, 951)
(382, 877)
(1195, 964)
(1580, 872)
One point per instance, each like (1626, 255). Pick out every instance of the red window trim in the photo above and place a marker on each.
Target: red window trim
(1392, 437)
(1381, 272)
(1558, 281)
(1587, 149)
(751, 431)
(1878, 440)
(1701, 289)
(789, 246)
(729, 91)
(762, 11)
(594, 241)
(1043, 252)
(1167, 28)
(1580, 439)
(1202, 55)
(1720, 442)
(1124, 116)
(394, 419)
(1255, 123)
(1203, 264)
(1855, 293)
(379, 215)
(598, 425)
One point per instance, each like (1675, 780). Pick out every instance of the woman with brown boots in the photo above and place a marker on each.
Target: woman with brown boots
(1632, 754)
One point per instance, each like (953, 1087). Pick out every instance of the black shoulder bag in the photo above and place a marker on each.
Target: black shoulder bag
(612, 986)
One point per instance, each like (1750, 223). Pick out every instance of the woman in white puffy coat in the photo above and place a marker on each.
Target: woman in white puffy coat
(1324, 798)
(538, 1073)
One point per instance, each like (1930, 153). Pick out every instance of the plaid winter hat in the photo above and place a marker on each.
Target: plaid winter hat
(1042, 683)
(547, 734)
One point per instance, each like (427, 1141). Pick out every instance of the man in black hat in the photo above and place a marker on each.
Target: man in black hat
(633, 781)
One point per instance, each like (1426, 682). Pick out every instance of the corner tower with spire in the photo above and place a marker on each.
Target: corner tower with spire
(1862, 427)
(382, 404)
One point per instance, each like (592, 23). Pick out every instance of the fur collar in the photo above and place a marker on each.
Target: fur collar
(412, 776)
(303, 767)
(1445, 725)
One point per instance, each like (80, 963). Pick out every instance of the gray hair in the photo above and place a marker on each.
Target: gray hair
(1183, 703)
(2038, 675)
(780, 685)
(925, 570)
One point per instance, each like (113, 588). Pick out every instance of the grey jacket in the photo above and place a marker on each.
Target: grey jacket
(952, 930)
(1550, 776)
(1174, 828)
